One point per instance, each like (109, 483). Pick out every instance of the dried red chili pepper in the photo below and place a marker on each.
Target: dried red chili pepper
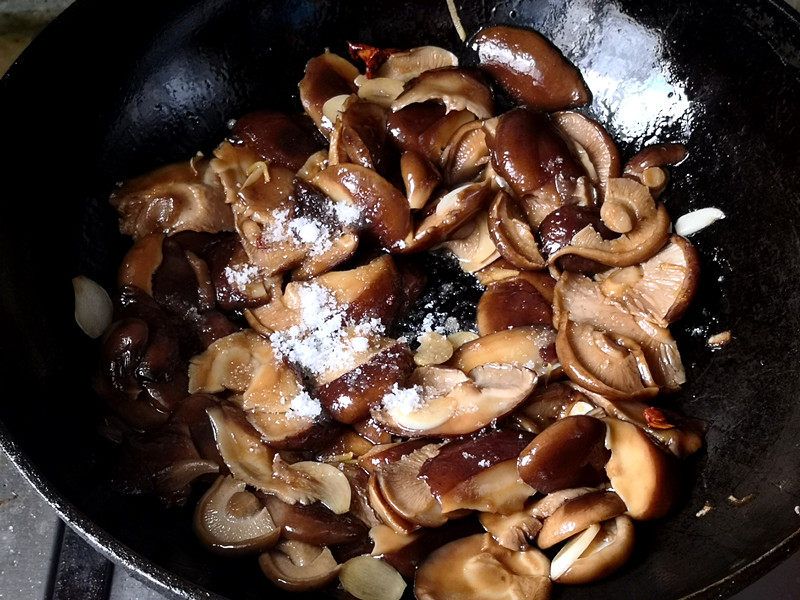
(656, 419)
(373, 57)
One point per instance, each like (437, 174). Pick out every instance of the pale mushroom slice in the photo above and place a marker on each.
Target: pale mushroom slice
(466, 155)
(630, 210)
(297, 566)
(472, 244)
(592, 144)
(640, 473)
(583, 299)
(379, 90)
(610, 548)
(446, 402)
(408, 64)
(662, 287)
(231, 520)
(611, 365)
(519, 347)
(184, 196)
(577, 515)
(456, 88)
(367, 577)
(326, 76)
(512, 234)
(478, 568)
(514, 531)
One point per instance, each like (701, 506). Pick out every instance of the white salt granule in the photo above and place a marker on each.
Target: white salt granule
(451, 325)
(303, 405)
(404, 400)
(359, 344)
(241, 275)
(343, 402)
(484, 463)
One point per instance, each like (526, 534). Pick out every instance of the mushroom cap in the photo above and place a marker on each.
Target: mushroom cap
(279, 139)
(547, 404)
(608, 551)
(577, 514)
(478, 568)
(512, 234)
(611, 365)
(518, 346)
(592, 145)
(654, 156)
(229, 519)
(297, 566)
(529, 68)
(466, 154)
(420, 176)
(314, 523)
(641, 474)
(409, 64)
(326, 76)
(472, 244)
(456, 88)
(513, 302)
(514, 531)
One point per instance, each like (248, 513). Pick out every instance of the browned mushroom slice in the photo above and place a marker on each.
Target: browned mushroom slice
(386, 212)
(445, 402)
(647, 165)
(591, 144)
(479, 473)
(434, 140)
(569, 453)
(280, 139)
(611, 365)
(479, 568)
(389, 452)
(407, 493)
(360, 136)
(529, 68)
(577, 514)
(298, 567)
(179, 197)
(661, 287)
(408, 124)
(231, 520)
(585, 302)
(544, 507)
(448, 213)
(314, 523)
(514, 531)
(326, 76)
(560, 226)
(420, 178)
(472, 244)
(628, 209)
(610, 548)
(456, 88)
(384, 510)
(510, 303)
(547, 405)
(349, 397)
(642, 475)
(140, 262)
(521, 346)
(466, 154)
(412, 63)
(512, 234)
(529, 154)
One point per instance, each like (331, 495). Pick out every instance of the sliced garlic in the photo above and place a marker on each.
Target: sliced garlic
(93, 306)
(434, 349)
(572, 551)
(698, 220)
(368, 578)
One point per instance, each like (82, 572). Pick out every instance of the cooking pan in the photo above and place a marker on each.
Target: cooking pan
(112, 89)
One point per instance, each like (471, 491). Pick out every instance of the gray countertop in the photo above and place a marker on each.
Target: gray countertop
(30, 532)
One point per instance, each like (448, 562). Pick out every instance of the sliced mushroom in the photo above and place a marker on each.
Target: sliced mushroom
(611, 548)
(314, 523)
(472, 244)
(591, 144)
(585, 302)
(512, 234)
(229, 519)
(445, 402)
(611, 365)
(647, 165)
(279, 139)
(360, 137)
(408, 124)
(179, 197)
(530, 155)
(349, 397)
(386, 211)
(326, 76)
(662, 287)
(544, 507)
(456, 88)
(479, 473)
(521, 347)
(547, 405)
(642, 475)
(434, 140)
(297, 566)
(466, 154)
(568, 453)
(369, 578)
(379, 90)
(448, 213)
(409, 64)
(513, 302)
(420, 178)
(577, 514)
(560, 226)
(628, 208)
(514, 531)
(478, 568)
(529, 68)
(140, 262)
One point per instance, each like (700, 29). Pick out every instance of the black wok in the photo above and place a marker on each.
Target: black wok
(114, 88)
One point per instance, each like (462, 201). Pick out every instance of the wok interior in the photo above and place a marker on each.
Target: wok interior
(90, 106)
